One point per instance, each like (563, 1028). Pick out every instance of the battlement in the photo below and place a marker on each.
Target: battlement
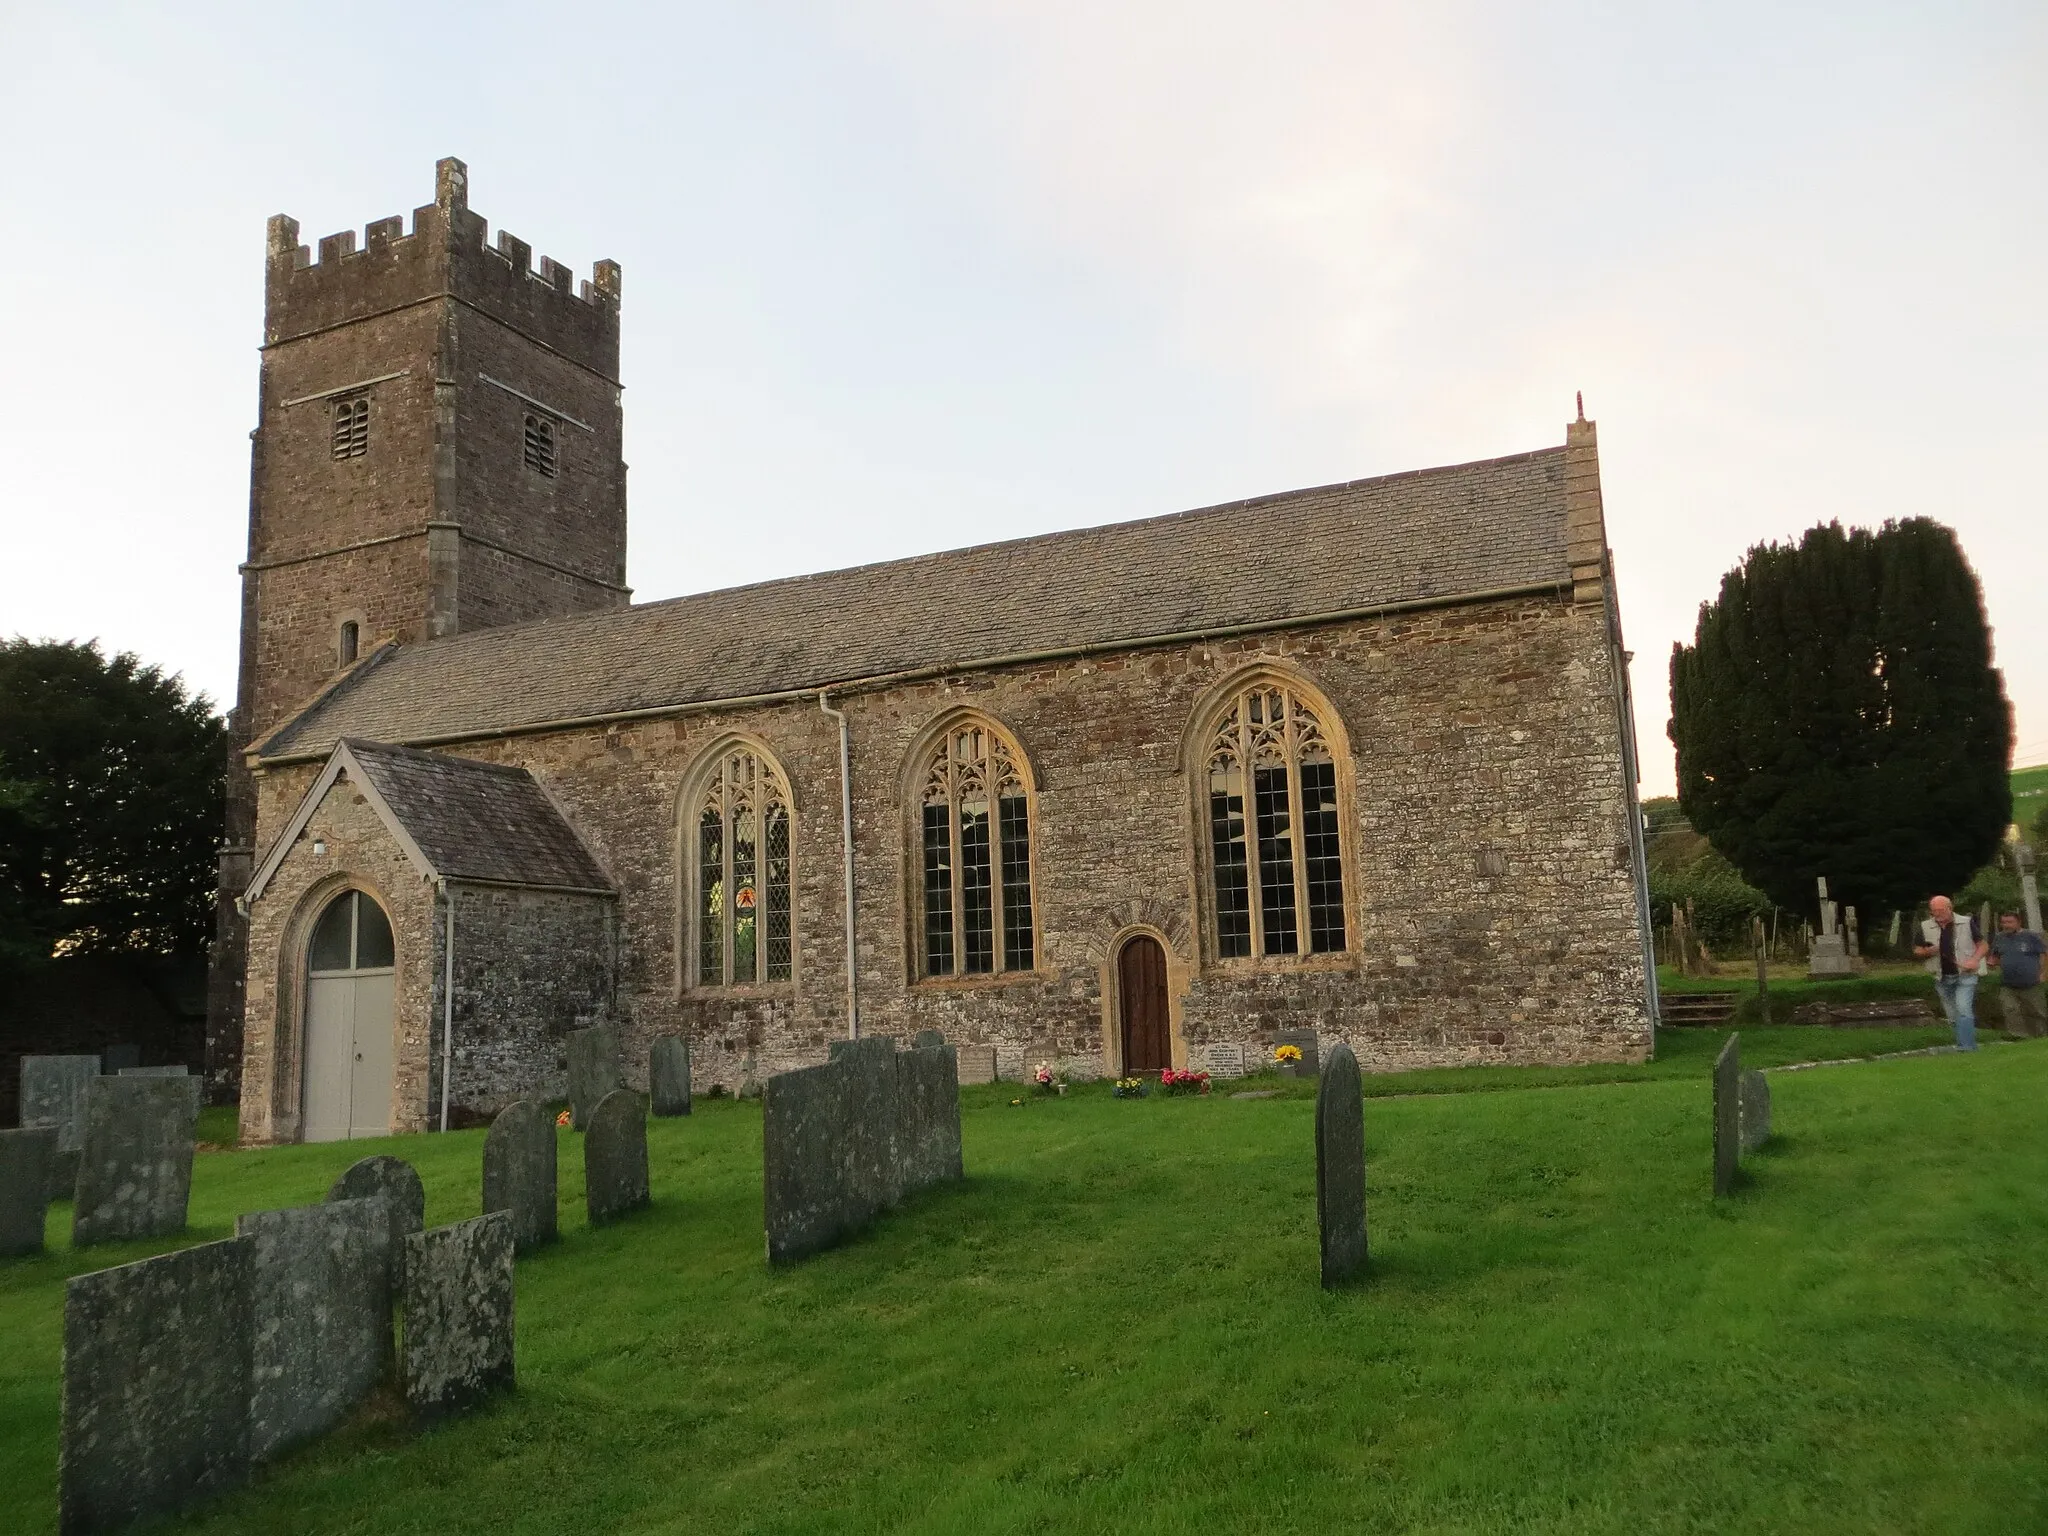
(446, 254)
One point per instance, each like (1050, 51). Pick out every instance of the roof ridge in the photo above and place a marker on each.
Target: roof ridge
(367, 746)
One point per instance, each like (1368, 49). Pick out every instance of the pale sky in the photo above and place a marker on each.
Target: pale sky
(901, 277)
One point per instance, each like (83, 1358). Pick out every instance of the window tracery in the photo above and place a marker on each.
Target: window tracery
(742, 851)
(975, 819)
(1275, 854)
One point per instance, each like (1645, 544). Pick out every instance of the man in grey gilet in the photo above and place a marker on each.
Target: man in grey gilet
(1954, 951)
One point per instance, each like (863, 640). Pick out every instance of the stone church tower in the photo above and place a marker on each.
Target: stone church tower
(437, 450)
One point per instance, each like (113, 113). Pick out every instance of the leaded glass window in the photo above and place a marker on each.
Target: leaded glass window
(740, 845)
(975, 818)
(1275, 858)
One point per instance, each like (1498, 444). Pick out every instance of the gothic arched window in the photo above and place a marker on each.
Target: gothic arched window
(1275, 853)
(738, 838)
(974, 812)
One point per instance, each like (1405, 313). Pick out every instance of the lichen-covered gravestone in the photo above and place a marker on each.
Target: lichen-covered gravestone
(135, 1170)
(1727, 1115)
(874, 1165)
(53, 1093)
(928, 1114)
(458, 1315)
(405, 1201)
(668, 1075)
(156, 1385)
(1755, 1110)
(320, 1312)
(1340, 1167)
(927, 1039)
(806, 1198)
(519, 1173)
(615, 1157)
(25, 1158)
(594, 1071)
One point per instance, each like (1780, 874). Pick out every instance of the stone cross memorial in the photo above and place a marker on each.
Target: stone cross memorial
(25, 1159)
(1340, 1167)
(157, 1358)
(53, 1093)
(458, 1315)
(135, 1169)
(1727, 1115)
(1754, 1110)
(519, 1173)
(320, 1316)
(615, 1157)
(668, 1075)
(594, 1071)
(405, 1201)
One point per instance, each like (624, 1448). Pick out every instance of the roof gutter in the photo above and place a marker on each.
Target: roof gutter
(872, 681)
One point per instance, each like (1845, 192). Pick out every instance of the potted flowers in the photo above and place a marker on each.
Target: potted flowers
(1049, 1078)
(1128, 1088)
(1287, 1058)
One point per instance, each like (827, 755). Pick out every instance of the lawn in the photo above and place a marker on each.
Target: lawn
(1114, 1326)
(2029, 793)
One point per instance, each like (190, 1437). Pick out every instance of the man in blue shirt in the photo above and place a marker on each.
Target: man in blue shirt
(2016, 952)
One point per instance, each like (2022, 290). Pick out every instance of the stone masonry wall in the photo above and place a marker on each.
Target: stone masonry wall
(1481, 738)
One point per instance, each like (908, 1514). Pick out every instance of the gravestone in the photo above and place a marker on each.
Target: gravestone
(594, 1071)
(615, 1157)
(977, 1064)
(927, 1039)
(1221, 1060)
(1306, 1041)
(519, 1173)
(25, 1159)
(807, 1198)
(153, 1072)
(928, 1114)
(874, 1166)
(1340, 1167)
(119, 1057)
(135, 1169)
(668, 1075)
(1727, 1114)
(156, 1385)
(405, 1201)
(1755, 1110)
(53, 1093)
(458, 1315)
(320, 1316)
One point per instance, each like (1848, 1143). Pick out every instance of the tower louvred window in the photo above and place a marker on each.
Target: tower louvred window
(1275, 854)
(975, 824)
(351, 426)
(540, 444)
(742, 848)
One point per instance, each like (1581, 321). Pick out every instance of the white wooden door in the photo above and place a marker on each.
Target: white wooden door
(330, 1055)
(370, 1081)
(349, 975)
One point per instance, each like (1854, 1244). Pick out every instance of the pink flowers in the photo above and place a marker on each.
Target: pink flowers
(1183, 1082)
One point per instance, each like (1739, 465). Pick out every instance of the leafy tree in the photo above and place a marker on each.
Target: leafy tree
(1837, 714)
(111, 804)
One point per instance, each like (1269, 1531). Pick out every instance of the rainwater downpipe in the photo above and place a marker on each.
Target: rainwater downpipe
(846, 852)
(447, 993)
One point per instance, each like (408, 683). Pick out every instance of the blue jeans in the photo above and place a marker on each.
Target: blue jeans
(1959, 1001)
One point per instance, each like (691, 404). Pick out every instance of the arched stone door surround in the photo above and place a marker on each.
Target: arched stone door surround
(1173, 979)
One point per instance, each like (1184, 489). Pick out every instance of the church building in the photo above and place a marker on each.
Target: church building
(1356, 758)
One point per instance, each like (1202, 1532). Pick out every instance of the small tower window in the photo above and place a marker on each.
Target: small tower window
(351, 634)
(351, 426)
(540, 444)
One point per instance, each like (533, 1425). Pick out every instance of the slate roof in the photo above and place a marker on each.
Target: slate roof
(1434, 534)
(478, 821)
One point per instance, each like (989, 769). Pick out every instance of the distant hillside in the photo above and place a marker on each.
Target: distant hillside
(2029, 794)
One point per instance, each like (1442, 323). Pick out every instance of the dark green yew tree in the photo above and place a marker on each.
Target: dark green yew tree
(1837, 714)
(111, 805)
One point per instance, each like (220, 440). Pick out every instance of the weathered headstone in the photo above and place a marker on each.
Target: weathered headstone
(25, 1158)
(1727, 1114)
(53, 1093)
(977, 1064)
(668, 1075)
(928, 1114)
(156, 1385)
(135, 1170)
(320, 1311)
(873, 1165)
(615, 1156)
(806, 1196)
(458, 1315)
(594, 1070)
(1340, 1167)
(1304, 1040)
(519, 1173)
(927, 1039)
(405, 1201)
(1755, 1111)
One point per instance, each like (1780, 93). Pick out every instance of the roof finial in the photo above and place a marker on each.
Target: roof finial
(1582, 405)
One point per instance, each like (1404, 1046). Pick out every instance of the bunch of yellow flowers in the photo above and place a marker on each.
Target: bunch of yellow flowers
(1287, 1053)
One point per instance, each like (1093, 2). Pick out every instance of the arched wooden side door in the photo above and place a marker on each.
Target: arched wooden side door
(349, 973)
(1141, 1003)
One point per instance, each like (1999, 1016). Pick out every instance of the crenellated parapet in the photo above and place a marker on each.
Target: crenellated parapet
(446, 255)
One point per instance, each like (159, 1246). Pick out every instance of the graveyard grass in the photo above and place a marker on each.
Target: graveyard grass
(1114, 1325)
